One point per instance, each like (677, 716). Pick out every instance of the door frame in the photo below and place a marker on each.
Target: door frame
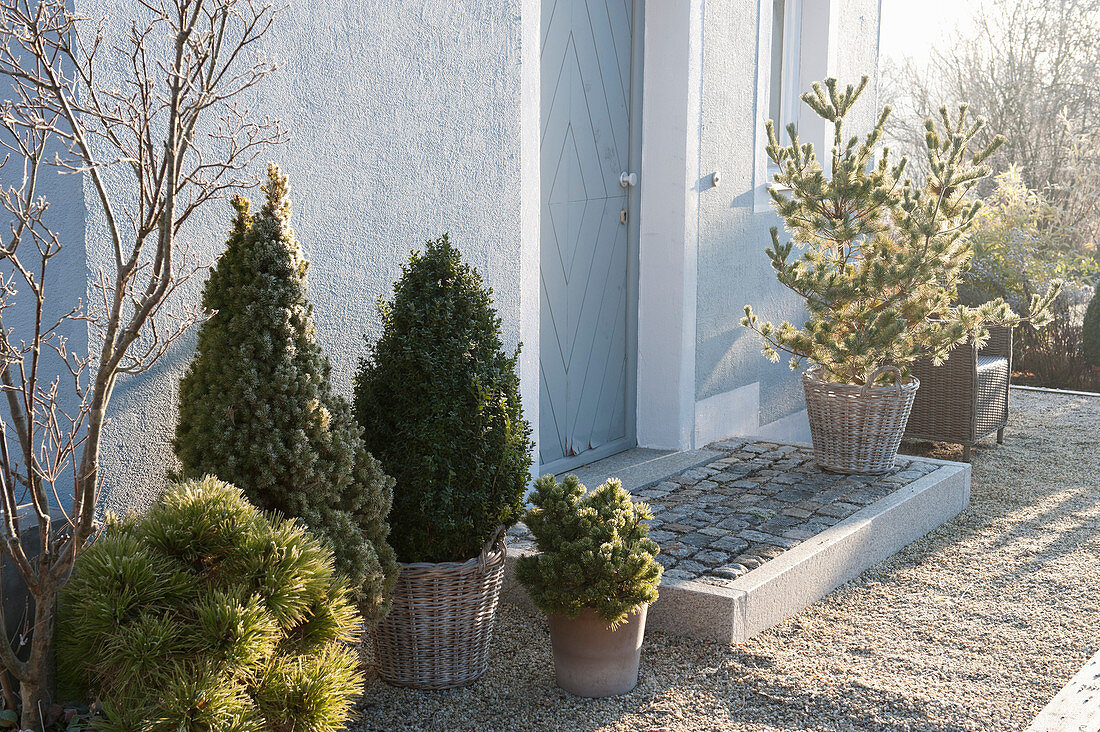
(668, 237)
(634, 157)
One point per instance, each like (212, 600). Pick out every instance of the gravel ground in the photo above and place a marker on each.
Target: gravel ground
(974, 627)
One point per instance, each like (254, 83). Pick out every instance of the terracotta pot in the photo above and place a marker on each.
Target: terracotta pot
(591, 659)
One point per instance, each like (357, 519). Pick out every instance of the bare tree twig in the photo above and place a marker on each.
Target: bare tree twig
(171, 129)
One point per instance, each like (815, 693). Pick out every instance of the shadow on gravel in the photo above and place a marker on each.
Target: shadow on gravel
(916, 644)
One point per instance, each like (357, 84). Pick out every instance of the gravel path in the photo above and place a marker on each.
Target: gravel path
(974, 627)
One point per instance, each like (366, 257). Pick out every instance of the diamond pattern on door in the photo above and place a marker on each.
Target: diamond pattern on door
(584, 356)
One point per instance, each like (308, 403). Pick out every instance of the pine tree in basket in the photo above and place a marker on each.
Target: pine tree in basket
(876, 258)
(257, 409)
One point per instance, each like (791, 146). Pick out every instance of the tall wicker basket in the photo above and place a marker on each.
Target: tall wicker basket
(437, 634)
(857, 429)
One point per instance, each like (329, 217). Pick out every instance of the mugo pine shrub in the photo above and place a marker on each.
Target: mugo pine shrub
(594, 551)
(439, 402)
(207, 615)
(257, 409)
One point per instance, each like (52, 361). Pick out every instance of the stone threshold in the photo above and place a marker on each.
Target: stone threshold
(642, 467)
(733, 602)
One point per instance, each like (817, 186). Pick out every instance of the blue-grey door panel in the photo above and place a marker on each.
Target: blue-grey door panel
(586, 344)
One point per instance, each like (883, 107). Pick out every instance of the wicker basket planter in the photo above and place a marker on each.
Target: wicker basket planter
(437, 634)
(857, 429)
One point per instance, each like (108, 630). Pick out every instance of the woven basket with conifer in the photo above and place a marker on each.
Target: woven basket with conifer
(877, 263)
(439, 402)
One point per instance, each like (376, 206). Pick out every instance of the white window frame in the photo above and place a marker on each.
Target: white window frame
(789, 88)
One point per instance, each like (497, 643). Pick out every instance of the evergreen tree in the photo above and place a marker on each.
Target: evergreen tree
(879, 259)
(257, 409)
(439, 402)
(207, 615)
(1091, 329)
(594, 550)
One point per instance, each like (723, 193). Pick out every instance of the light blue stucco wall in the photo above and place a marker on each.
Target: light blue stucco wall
(733, 225)
(405, 118)
(65, 274)
(412, 118)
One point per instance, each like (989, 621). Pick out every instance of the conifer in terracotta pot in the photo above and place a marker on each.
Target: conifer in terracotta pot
(877, 260)
(438, 399)
(595, 576)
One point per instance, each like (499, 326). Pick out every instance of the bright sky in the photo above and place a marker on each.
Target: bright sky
(912, 27)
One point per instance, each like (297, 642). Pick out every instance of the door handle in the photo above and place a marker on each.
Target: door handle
(628, 179)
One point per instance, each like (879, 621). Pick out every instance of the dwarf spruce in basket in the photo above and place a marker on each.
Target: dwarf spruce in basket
(879, 258)
(594, 551)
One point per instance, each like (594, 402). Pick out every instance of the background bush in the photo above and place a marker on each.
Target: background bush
(1020, 249)
(257, 409)
(206, 614)
(439, 402)
(1091, 328)
(594, 550)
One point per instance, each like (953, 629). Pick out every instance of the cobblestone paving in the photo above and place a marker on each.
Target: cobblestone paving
(719, 521)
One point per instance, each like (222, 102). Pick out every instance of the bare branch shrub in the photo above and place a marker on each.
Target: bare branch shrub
(153, 122)
(1030, 68)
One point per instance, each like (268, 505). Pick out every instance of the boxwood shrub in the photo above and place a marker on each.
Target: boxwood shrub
(438, 399)
(1091, 333)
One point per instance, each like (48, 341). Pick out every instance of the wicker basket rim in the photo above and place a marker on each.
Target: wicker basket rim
(814, 374)
(491, 557)
(493, 552)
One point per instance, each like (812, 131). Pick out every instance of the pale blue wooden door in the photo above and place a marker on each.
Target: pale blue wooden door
(586, 343)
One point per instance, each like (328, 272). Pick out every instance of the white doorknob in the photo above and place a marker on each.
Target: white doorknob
(628, 179)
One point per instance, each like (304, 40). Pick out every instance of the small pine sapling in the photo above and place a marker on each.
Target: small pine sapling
(594, 551)
(879, 259)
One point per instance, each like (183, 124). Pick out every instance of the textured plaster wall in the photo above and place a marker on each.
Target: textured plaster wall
(65, 272)
(668, 214)
(406, 123)
(732, 267)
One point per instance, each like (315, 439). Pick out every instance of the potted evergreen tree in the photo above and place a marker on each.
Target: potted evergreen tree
(439, 402)
(595, 575)
(256, 407)
(878, 262)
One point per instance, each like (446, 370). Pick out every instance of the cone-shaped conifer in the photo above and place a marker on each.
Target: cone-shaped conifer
(257, 409)
(439, 402)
